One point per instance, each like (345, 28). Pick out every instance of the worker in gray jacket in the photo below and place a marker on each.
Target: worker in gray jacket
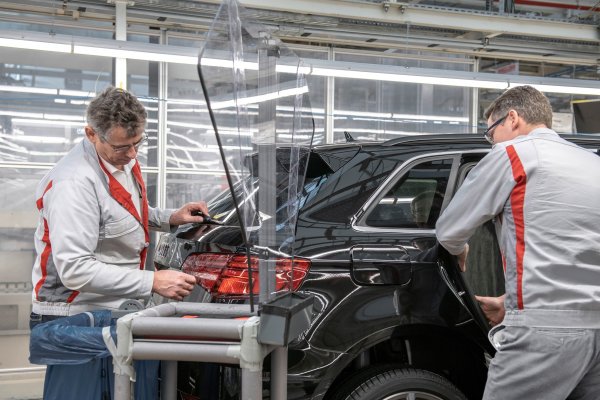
(544, 195)
(94, 219)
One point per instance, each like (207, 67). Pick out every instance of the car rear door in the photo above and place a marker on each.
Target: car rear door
(407, 206)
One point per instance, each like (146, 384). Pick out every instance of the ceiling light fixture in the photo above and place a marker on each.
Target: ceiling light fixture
(133, 54)
(244, 101)
(405, 78)
(46, 45)
(26, 89)
(336, 69)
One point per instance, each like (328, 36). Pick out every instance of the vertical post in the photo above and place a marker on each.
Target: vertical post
(251, 385)
(251, 358)
(329, 103)
(501, 6)
(267, 188)
(279, 364)
(163, 71)
(121, 34)
(122, 387)
(474, 117)
(168, 387)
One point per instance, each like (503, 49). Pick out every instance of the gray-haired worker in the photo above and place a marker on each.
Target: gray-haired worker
(94, 219)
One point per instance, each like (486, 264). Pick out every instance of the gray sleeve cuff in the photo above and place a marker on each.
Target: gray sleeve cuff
(158, 219)
(146, 285)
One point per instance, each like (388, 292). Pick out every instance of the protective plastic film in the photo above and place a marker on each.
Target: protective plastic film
(258, 98)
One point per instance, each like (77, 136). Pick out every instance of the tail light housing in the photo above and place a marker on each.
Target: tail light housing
(226, 274)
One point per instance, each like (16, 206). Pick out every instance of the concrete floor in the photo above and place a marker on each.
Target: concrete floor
(19, 380)
(22, 384)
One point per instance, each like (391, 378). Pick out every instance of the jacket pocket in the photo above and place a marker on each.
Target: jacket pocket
(121, 227)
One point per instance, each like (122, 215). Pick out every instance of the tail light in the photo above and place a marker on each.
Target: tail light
(226, 274)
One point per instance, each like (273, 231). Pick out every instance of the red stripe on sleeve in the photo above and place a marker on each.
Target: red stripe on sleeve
(44, 260)
(40, 202)
(46, 239)
(72, 296)
(517, 201)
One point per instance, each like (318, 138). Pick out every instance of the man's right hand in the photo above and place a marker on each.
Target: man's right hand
(173, 284)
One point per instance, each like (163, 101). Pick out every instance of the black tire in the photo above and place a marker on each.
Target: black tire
(400, 384)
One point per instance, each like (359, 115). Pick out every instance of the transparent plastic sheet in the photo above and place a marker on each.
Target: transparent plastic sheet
(257, 94)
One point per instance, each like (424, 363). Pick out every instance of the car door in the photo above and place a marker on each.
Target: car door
(408, 205)
(484, 275)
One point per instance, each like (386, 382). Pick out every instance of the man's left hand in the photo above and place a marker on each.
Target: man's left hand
(187, 213)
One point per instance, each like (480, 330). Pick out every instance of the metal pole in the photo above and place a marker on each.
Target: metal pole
(474, 117)
(208, 309)
(121, 34)
(252, 385)
(163, 310)
(195, 329)
(329, 103)
(163, 71)
(267, 189)
(161, 350)
(252, 354)
(168, 387)
(122, 387)
(279, 364)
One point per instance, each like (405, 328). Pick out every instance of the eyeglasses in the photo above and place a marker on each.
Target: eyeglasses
(125, 148)
(489, 132)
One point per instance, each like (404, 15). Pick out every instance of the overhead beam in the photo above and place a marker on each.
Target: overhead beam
(430, 16)
(467, 42)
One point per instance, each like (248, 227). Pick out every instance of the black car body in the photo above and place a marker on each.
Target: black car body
(386, 297)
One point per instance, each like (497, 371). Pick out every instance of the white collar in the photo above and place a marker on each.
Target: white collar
(112, 169)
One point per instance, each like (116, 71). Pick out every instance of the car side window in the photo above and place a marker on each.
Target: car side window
(416, 199)
(485, 274)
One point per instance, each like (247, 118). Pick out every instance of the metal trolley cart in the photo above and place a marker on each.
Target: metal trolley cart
(228, 334)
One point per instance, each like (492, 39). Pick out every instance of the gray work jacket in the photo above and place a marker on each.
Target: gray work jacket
(90, 247)
(544, 193)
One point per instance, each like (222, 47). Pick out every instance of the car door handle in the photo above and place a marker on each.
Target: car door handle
(381, 265)
(382, 273)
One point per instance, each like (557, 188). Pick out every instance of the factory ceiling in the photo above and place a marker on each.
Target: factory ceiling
(540, 31)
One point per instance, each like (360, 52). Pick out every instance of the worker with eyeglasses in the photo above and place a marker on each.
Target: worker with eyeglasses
(543, 193)
(94, 223)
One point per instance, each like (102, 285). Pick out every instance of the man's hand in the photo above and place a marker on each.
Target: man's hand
(462, 258)
(173, 284)
(493, 308)
(185, 214)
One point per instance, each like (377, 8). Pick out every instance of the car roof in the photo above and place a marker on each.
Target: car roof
(448, 139)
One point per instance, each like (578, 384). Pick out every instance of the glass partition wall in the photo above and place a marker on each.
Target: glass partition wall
(381, 110)
(43, 97)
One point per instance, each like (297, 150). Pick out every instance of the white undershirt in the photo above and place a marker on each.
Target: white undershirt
(126, 179)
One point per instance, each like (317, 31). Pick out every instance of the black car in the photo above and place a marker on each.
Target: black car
(394, 318)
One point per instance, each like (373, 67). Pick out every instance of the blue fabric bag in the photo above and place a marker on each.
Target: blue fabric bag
(71, 340)
(79, 364)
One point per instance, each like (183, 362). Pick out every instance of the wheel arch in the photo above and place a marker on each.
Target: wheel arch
(434, 348)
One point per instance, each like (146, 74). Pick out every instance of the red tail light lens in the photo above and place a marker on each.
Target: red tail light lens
(226, 274)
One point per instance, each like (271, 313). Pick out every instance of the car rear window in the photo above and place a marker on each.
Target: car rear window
(317, 172)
